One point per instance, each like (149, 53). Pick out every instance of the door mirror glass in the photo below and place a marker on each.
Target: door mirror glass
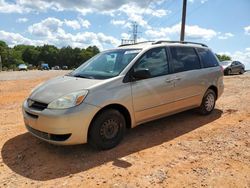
(141, 74)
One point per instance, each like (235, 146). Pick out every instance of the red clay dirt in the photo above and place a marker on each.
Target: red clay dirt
(183, 150)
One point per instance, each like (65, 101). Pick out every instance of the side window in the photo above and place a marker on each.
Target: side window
(184, 59)
(155, 60)
(234, 63)
(207, 58)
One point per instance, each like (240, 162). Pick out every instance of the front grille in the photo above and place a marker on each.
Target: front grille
(48, 136)
(32, 115)
(37, 105)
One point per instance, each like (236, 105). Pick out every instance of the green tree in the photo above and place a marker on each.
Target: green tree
(223, 57)
(4, 53)
(30, 55)
(48, 54)
(19, 54)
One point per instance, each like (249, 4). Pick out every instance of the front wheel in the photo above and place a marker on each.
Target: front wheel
(107, 129)
(242, 71)
(229, 72)
(208, 102)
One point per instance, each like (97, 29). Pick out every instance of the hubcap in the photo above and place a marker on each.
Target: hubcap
(209, 103)
(109, 129)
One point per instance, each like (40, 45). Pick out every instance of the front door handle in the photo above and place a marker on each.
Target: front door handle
(178, 78)
(173, 79)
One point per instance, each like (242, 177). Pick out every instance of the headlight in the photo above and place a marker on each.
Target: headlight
(69, 100)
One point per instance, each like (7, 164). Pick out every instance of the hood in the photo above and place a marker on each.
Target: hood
(61, 86)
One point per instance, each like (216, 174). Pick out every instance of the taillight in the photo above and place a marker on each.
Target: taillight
(221, 69)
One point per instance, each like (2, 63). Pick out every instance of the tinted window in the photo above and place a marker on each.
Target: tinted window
(155, 60)
(207, 58)
(184, 59)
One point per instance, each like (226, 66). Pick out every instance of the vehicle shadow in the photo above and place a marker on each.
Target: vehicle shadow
(38, 160)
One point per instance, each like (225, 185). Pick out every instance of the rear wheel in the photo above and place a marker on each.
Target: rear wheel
(107, 130)
(208, 102)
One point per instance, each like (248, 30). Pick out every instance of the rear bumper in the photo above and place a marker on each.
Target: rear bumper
(63, 127)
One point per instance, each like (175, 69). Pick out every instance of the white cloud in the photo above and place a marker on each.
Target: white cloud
(191, 32)
(12, 7)
(22, 20)
(83, 6)
(225, 36)
(118, 22)
(84, 23)
(247, 30)
(15, 39)
(46, 27)
(74, 24)
(125, 36)
(50, 31)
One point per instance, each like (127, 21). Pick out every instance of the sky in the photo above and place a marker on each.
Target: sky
(224, 25)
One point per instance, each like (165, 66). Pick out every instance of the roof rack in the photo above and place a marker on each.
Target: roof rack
(135, 43)
(181, 42)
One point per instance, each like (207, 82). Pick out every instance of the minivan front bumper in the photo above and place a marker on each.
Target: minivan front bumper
(63, 127)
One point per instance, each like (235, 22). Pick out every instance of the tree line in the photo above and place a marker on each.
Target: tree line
(49, 54)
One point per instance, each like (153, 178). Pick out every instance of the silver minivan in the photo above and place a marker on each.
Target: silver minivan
(121, 88)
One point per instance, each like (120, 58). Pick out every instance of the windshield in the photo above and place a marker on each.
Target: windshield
(225, 63)
(106, 64)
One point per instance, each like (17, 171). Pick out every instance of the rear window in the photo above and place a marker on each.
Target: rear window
(184, 59)
(208, 59)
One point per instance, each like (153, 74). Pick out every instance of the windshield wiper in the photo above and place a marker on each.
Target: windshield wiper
(80, 76)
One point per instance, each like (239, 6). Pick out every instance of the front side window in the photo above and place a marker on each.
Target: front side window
(155, 61)
(207, 58)
(184, 59)
(106, 64)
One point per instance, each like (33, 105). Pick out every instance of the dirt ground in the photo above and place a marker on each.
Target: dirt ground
(184, 150)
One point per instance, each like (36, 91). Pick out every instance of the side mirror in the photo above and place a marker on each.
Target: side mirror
(141, 74)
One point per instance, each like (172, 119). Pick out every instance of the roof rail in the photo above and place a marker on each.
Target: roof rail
(181, 42)
(135, 43)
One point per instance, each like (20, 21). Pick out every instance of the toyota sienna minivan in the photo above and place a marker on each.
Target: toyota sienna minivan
(121, 88)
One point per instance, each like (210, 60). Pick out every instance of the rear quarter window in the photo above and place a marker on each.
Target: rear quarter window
(208, 59)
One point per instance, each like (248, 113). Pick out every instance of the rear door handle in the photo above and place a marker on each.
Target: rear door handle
(169, 80)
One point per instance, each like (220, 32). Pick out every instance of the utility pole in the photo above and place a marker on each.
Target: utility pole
(183, 23)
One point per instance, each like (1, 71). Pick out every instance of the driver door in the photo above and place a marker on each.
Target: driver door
(152, 96)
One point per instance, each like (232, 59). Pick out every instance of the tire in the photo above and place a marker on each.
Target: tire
(242, 71)
(229, 71)
(107, 130)
(208, 102)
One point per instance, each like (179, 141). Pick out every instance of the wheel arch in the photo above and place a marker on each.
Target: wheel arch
(122, 109)
(215, 89)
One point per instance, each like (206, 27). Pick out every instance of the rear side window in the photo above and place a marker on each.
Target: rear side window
(184, 59)
(207, 58)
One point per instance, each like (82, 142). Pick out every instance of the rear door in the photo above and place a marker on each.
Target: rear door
(152, 96)
(189, 85)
